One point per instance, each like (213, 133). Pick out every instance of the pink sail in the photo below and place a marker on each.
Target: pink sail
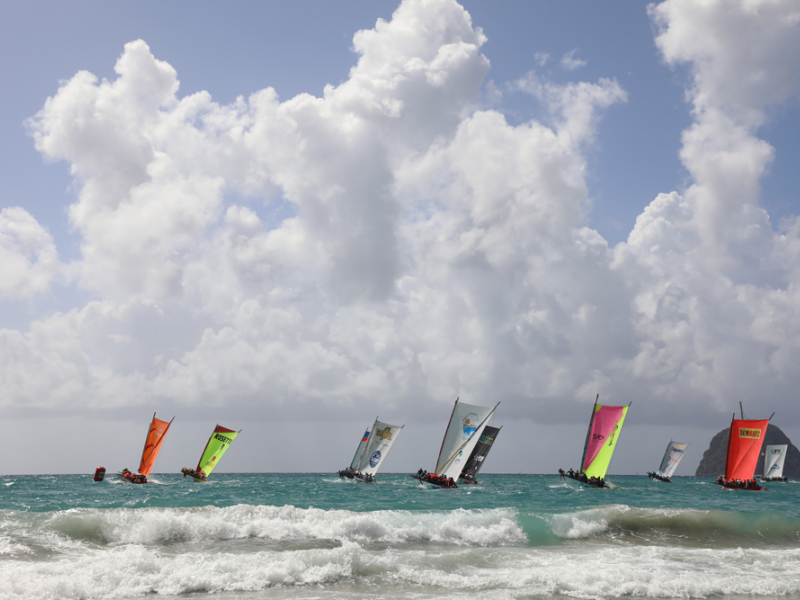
(603, 426)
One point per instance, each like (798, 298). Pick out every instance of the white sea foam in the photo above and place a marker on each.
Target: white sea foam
(10, 548)
(581, 524)
(606, 572)
(261, 551)
(134, 570)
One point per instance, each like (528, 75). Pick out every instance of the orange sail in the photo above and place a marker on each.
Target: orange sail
(744, 446)
(155, 437)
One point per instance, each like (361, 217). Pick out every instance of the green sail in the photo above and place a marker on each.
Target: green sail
(217, 446)
(605, 433)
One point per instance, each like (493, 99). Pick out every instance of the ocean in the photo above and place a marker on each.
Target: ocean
(315, 536)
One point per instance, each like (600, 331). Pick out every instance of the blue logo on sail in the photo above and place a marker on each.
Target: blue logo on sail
(375, 459)
(470, 424)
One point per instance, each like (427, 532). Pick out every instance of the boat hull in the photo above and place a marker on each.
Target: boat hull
(589, 482)
(657, 477)
(733, 486)
(137, 479)
(193, 474)
(439, 485)
(357, 476)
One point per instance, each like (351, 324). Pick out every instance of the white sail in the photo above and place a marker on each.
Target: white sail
(774, 456)
(360, 450)
(381, 439)
(463, 432)
(672, 457)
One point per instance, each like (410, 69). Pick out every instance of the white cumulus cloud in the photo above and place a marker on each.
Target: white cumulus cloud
(28, 256)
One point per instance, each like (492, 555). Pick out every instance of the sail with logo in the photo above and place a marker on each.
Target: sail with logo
(463, 431)
(218, 444)
(670, 462)
(774, 457)
(476, 460)
(381, 438)
(745, 438)
(605, 426)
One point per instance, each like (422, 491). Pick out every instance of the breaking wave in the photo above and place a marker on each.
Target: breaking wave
(174, 526)
(677, 526)
(606, 552)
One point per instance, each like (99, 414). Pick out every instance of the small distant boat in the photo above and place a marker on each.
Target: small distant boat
(152, 446)
(372, 451)
(745, 438)
(670, 462)
(221, 438)
(605, 426)
(466, 424)
(476, 460)
(774, 457)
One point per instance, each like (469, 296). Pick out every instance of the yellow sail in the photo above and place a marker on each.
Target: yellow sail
(218, 443)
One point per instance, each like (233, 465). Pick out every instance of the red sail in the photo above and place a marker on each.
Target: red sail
(155, 437)
(744, 446)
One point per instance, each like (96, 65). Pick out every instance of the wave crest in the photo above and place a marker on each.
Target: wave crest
(171, 526)
(676, 526)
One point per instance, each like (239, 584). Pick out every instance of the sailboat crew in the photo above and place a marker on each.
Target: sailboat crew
(192, 473)
(133, 477)
(435, 479)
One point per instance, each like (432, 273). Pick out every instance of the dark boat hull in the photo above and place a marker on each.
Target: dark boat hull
(439, 485)
(131, 481)
(590, 483)
(657, 477)
(193, 474)
(357, 475)
(728, 486)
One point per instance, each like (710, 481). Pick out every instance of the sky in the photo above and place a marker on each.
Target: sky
(290, 218)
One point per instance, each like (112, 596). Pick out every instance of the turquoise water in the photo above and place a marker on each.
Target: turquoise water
(318, 536)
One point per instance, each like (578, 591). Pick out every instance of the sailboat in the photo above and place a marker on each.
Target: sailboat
(601, 440)
(152, 446)
(745, 438)
(221, 438)
(479, 454)
(463, 431)
(670, 462)
(774, 457)
(372, 451)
